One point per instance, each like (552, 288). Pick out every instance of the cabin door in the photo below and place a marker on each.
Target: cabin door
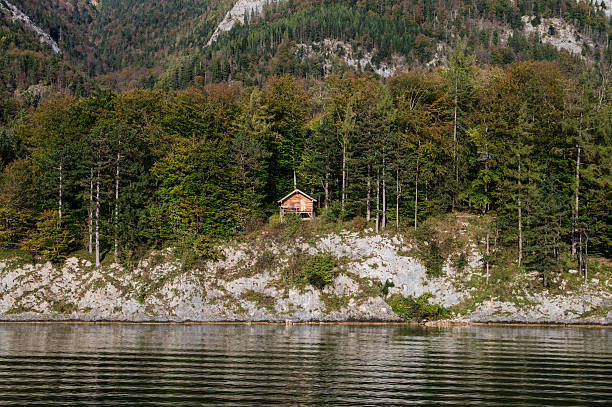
(302, 205)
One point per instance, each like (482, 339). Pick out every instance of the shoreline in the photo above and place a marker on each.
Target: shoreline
(428, 324)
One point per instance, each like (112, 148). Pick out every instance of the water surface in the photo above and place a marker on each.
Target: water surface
(80, 364)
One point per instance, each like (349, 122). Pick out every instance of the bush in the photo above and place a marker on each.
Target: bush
(359, 223)
(321, 270)
(194, 248)
(385, 288)
(333, 212)
(293, 224)
(50, 240)
(459, 262)
(418, 309)
(433, 260)
(274, 220)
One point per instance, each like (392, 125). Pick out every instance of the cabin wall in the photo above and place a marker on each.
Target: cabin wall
(298, 202)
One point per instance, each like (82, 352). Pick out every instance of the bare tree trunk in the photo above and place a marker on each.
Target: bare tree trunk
(90, 212)
(488, 252)
(343, 176)
(98, 219)
(486, 186)
(586, 256)
(416, 197)
(60, 192)
(294, 179)
(398, 191)
(580, 260)
(327, 188)
(520, 216)
(377, 199)
(116, 226)
(455, 146)
(576, 193)
(384, 197)
(369, 197)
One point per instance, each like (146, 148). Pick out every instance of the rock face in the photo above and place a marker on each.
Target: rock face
(237, 13)
(248, 284)
(17, 15)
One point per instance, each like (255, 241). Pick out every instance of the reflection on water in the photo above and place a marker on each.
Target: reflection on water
(74, 364)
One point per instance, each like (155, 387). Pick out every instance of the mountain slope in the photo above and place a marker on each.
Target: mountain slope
(312, 38)
(174, 43)
(16, 15)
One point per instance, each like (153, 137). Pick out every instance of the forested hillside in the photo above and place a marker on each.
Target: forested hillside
(389, 112)
(527, 145)
(127, 44)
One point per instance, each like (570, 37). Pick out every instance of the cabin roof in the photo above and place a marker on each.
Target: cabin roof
(296, 191)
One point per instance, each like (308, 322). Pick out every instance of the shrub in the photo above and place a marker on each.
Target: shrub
(320, 270)
(293, 223)
(459, 262)
(359, 223)
(433, 260)
(274, 220)
(410, 308)
(333, 212)
(385, 288)
(194, 248)
(51, 240)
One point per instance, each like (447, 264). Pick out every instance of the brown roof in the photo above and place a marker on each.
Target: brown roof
(297, 191)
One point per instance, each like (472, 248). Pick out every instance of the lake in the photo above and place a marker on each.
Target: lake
(129, 364)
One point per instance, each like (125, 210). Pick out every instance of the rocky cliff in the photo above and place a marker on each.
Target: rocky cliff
(250, 283)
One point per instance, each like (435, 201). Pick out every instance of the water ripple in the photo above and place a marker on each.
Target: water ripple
(117, 365)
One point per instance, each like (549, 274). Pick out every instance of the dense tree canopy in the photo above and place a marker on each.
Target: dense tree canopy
(528, 145)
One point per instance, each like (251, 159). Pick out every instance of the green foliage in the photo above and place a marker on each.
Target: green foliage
(385, 289)
(292, 224)
(320, 271)
(49, 240)
(459, 262)
(433, 259)
(333, 212)
(193, 249)
(411, 309)
(274, 220)
(152, 169)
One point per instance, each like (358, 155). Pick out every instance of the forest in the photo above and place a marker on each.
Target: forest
(117, 174)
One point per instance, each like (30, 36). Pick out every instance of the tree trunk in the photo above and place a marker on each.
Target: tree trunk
(416, 196)
(586, 257)
(576, 193)
(90, 212)
(343, 176)
(326, 188)
(580, 261)
(488, 252)
(369, 197)
(486, 186)
(384, 197)
(520, 216)
(59, 203)
(377, 200)
(455, 146)
(116, 226)
(98, 219)
(398, 191)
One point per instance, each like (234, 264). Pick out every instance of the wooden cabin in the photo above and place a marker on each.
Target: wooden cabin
(299, 203)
